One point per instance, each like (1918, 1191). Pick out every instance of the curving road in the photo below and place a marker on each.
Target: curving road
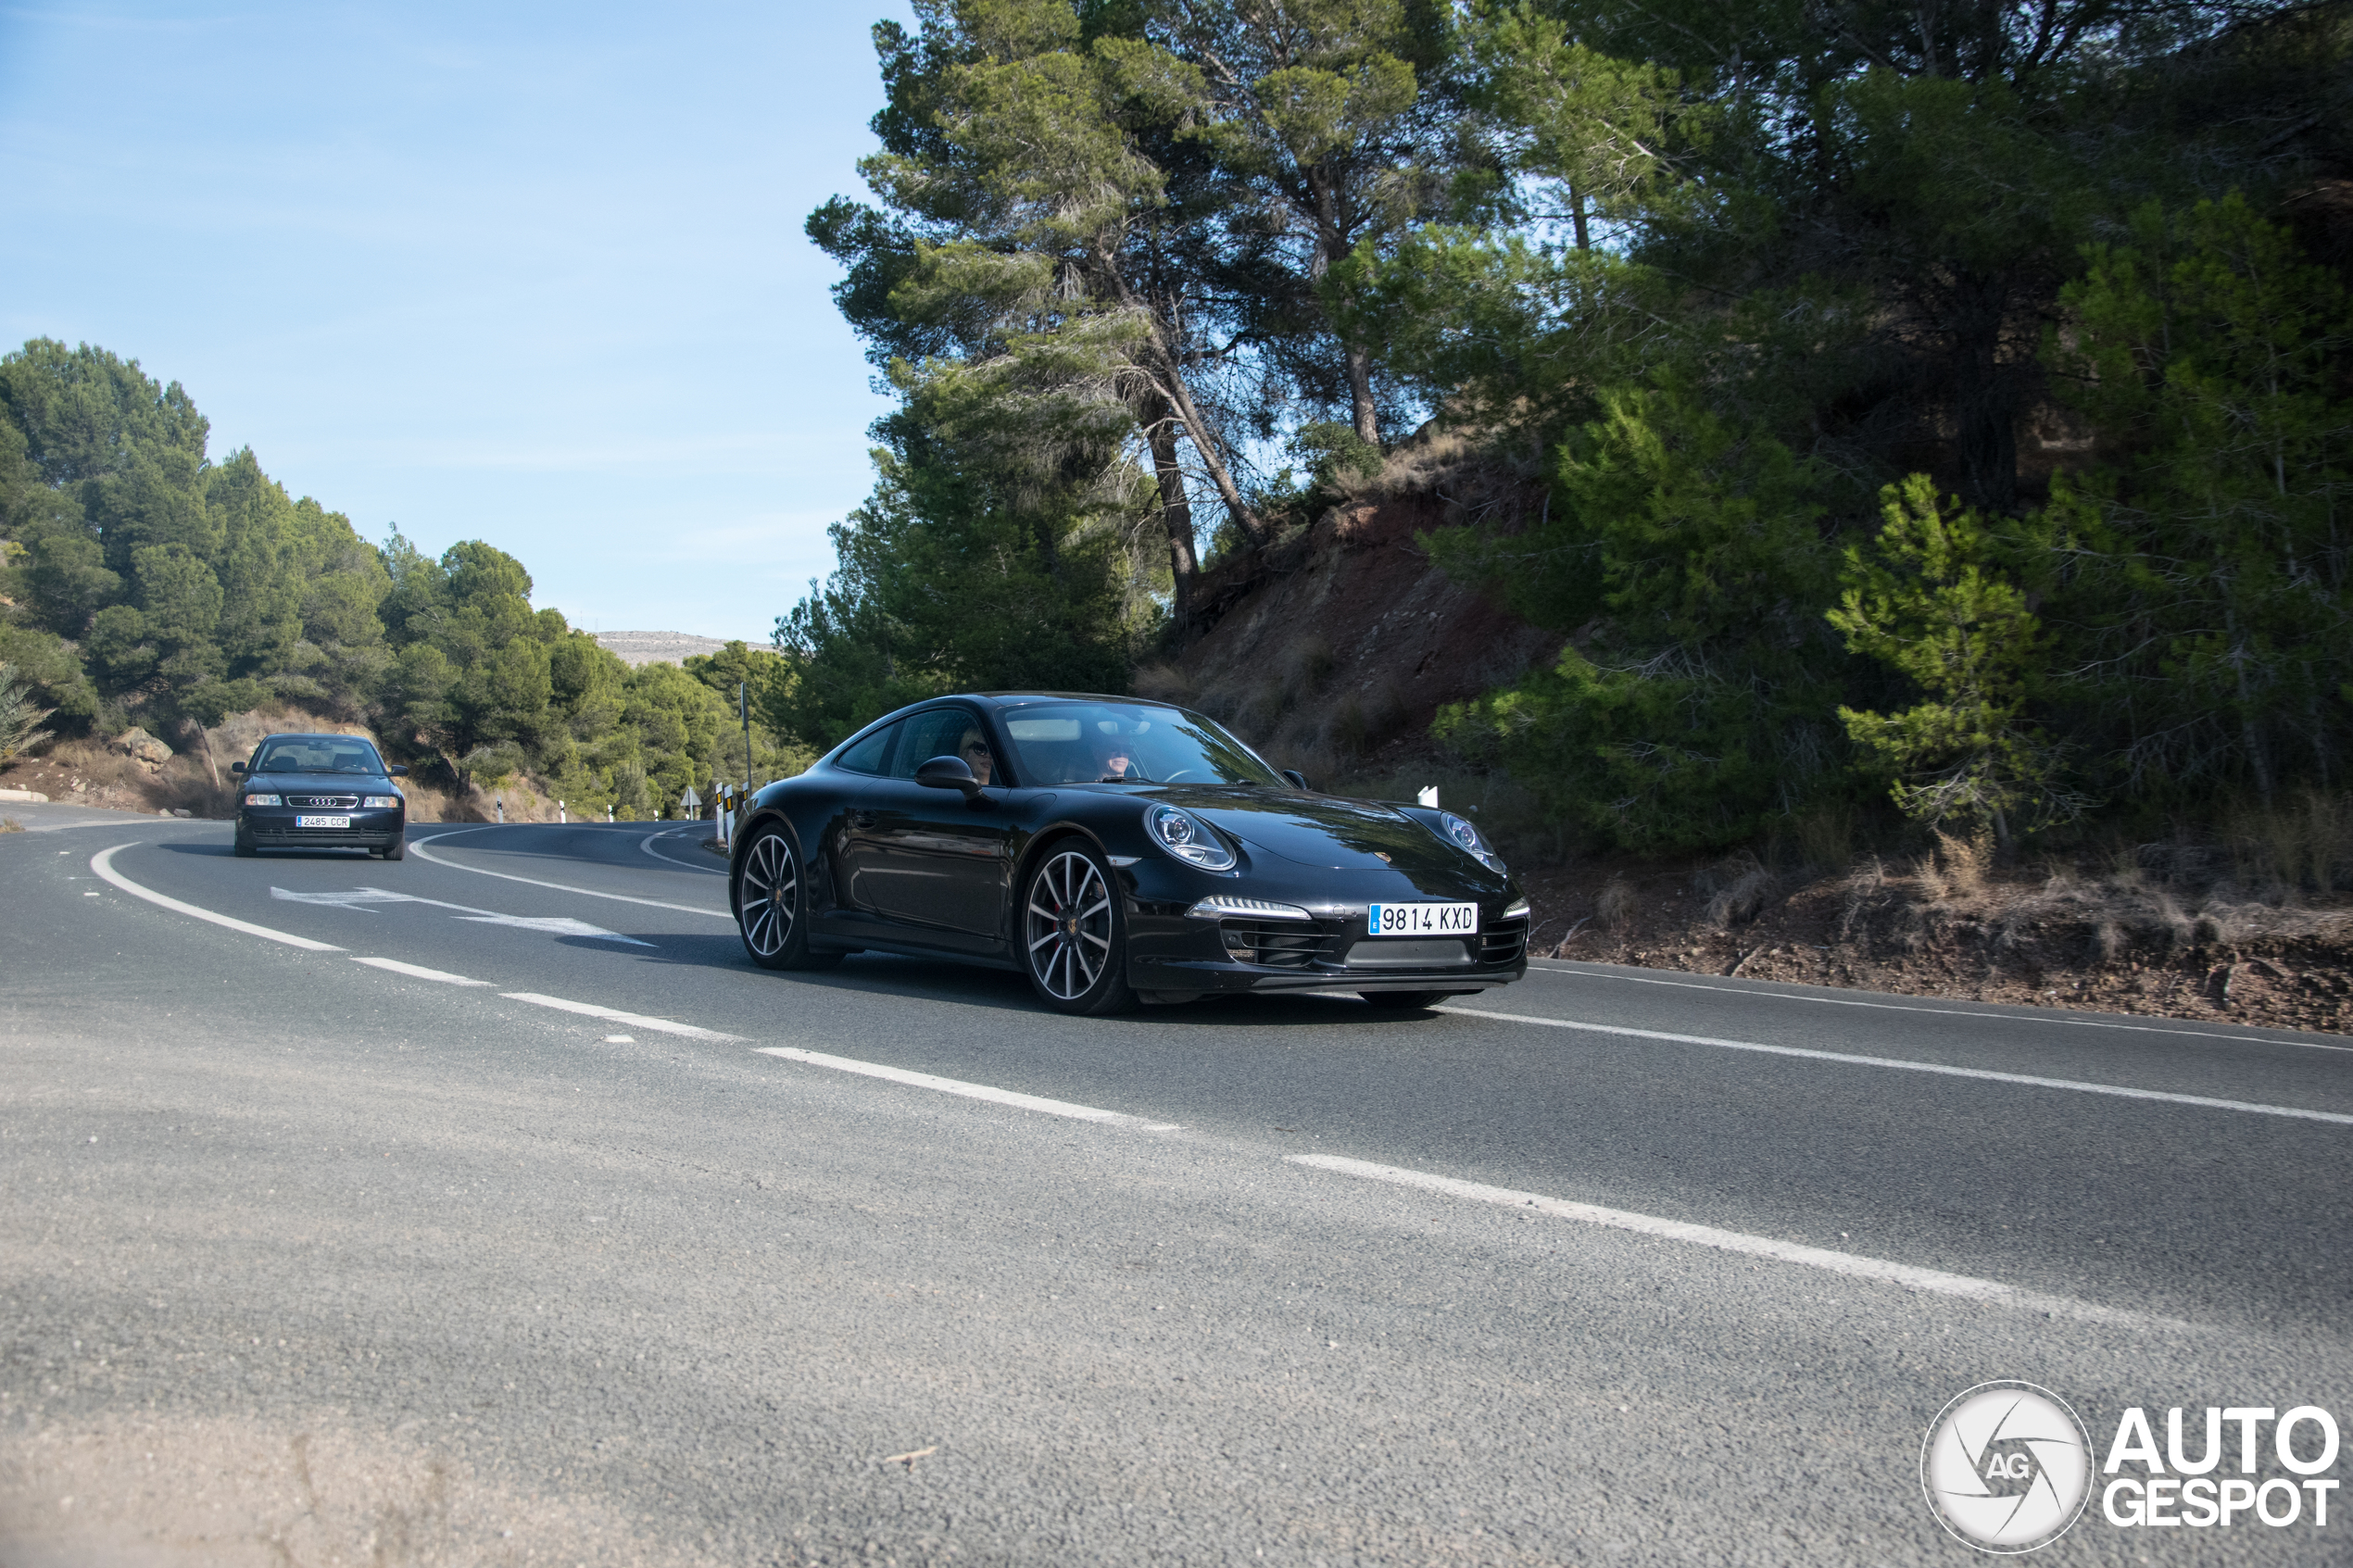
(490, 1207)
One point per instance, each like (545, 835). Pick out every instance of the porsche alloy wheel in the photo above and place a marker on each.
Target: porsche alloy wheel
(1072, 934)
(769, 905)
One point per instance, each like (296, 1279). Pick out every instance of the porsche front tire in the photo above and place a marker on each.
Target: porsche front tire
(771, 897)
(1074, 934)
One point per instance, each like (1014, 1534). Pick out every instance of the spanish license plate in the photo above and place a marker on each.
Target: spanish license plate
(322, 822)
(1422, 920)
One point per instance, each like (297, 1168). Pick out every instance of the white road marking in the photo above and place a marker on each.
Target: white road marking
(647, 843)
(1903, 1274)
(418, 846)
(358, 898)
(418, 971)
(1949, 1013)
(969, 1091)
(2298, 1112)
(103, 863)
(635, 1020)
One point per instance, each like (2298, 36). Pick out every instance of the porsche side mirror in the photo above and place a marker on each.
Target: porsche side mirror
(237, 767)
(397, 771)
(1298, 779)
(948, 773)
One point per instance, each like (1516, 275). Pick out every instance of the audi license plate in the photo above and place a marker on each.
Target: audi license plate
(1422, 920)
(322, 822)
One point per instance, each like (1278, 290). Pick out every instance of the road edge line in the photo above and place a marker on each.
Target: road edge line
(103, 864)
(647, 843)
(1910, 1276)
(1803, 991)
(1986, 1073)
(417, 845)
(988, 1093)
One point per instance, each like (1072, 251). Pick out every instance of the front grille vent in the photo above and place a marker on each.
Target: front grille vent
(1275, 944)
(1502, 942)
(325, 802)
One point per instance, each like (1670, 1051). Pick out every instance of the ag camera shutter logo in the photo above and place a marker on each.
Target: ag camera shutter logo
(2006, 1467)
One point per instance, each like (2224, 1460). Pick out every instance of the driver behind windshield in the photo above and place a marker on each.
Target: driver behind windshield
(1127, 743)
(1115, 763)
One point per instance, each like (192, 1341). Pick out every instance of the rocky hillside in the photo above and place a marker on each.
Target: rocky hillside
(634, 648)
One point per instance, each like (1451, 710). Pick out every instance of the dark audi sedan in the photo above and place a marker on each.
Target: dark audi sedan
(319, 792)
(1114, 850)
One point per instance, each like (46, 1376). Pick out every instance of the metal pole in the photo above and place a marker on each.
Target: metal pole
(743, 706)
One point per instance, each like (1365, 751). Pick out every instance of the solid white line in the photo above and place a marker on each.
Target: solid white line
(418, 971)
(2298, 1112)
(638, 1020)
(2023, 1017)
(417, 845)
(103, 863)
(970, 1091)
(1903, 1274)
(647, 843)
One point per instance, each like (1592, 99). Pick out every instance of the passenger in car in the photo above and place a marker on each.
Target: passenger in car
(974, 750)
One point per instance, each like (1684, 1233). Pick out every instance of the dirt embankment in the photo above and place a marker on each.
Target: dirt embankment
(188, 774)
(1334, 648)
(2163, 938)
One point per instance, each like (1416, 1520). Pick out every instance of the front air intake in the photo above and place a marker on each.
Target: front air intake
(1273, 943)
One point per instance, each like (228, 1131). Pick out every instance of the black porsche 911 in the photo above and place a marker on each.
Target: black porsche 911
(319, 792)
(1114, 849)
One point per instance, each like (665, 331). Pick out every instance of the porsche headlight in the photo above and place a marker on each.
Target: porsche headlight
(381, 801)
(1466, 837)
(264, 800)
(1188, 837)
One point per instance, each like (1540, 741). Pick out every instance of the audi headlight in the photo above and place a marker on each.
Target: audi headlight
(1188, 837)
(263, 800)
(1466, 837)
(381, 801)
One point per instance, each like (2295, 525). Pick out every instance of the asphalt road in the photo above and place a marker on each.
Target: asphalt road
(309, 1256)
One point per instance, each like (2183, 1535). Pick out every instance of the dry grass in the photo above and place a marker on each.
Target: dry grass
(1738, 888)
(9, 824)
(1615, 905)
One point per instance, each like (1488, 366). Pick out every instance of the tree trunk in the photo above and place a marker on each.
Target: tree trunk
(1204, 442)
(1985, 394)
(1360, 392)
(1577, 219)
(1177, 516)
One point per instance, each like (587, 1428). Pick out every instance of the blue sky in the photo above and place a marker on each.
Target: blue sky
(525, 273)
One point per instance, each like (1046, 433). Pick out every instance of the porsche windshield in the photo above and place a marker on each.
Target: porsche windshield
(1127, 743)
(318, 754)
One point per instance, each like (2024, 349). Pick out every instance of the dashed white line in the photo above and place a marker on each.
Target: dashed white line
(418, 846)
(969, 1091)
(1904, 1275)
(417, 972)
(103, 863)
(1985, 1074)
(635, 1020)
